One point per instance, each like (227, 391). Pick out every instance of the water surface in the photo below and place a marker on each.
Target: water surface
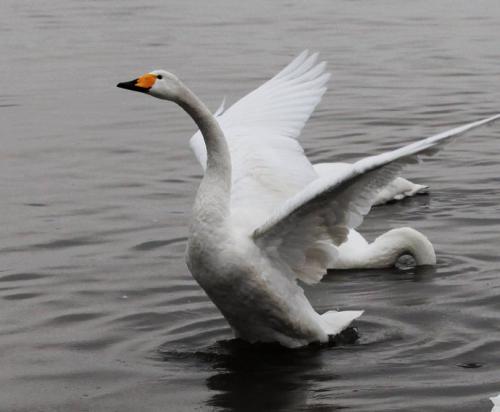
(97, 308)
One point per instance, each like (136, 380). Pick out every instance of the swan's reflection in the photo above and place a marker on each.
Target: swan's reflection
(268, 377)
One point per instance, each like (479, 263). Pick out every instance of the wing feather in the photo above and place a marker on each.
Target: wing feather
(268, 164)
(330, 206)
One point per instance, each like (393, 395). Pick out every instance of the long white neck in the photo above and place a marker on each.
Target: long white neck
(384, 251)
(387, 248)
(212, 200)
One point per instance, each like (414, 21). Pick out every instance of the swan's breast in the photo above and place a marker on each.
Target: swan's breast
(220, 256)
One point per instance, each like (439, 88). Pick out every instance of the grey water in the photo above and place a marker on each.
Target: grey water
(98, 311)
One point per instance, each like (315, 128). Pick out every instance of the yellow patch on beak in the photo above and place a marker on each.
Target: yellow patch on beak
(146, 81)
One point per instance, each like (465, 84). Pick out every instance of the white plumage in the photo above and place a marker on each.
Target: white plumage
(496, 403)
(263, 218)
(269, 165)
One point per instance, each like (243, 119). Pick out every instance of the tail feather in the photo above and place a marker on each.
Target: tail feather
(398, 189)
(335, 322)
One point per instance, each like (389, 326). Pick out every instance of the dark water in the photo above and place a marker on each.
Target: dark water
(97, 309)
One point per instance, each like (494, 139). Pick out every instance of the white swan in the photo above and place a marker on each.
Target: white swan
(261, 129)
(250, 239)
(397, 189)
(293, 93)
(496, 403)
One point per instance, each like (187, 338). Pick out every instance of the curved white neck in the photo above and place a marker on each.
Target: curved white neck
(212, 200)
(387, 248)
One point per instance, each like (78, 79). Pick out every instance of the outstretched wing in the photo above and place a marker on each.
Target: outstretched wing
(328, 207)
(268, 164)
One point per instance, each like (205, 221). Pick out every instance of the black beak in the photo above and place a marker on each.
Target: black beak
(131, 85)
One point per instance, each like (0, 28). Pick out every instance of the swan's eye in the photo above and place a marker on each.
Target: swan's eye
(159, 77)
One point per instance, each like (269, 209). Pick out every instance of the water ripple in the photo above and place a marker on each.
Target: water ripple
(98, 310)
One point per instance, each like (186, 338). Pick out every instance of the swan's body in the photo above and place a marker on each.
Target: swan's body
(282, 105)
(397, 189)
(262, 218)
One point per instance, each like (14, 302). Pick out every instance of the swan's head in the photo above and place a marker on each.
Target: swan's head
(158, 83)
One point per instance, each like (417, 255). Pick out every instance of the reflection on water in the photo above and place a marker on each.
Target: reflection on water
(262, 377)
(245, 378)
(97, 188)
